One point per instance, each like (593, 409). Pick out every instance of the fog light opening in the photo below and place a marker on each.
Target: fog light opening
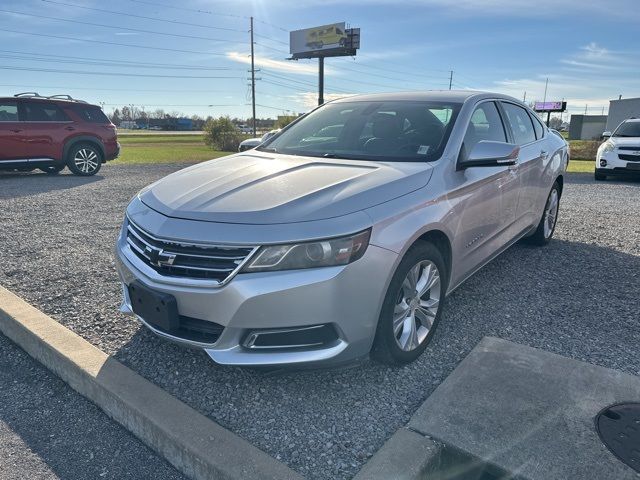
(315, 336)
(603, 163)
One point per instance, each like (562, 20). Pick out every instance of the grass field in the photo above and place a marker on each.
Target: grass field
(158, 148)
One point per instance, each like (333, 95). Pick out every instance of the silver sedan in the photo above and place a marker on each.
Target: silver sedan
(342, 235)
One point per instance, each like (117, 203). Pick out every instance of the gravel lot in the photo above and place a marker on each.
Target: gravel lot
(577, 297)
(48, 431)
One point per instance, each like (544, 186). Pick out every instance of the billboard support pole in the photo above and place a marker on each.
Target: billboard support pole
(253, 83)
(320, 80)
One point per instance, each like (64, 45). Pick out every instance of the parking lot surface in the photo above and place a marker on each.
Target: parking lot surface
(47, 431)
(576, 297)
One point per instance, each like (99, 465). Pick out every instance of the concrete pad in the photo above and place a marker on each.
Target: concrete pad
(528, 412)
(194, 444)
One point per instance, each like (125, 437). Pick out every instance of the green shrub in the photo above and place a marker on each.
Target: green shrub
(221, 134)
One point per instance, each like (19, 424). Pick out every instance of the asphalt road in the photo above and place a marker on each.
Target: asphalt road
(576, 297)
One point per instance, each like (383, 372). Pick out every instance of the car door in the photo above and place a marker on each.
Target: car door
(532, 154)
(11, 132)
(478, 194)
(45, 128)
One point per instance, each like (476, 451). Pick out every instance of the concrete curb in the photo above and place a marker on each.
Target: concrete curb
(407, 455)
(191, 442)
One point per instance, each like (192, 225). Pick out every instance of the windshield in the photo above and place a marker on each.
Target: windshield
(628, 129)
(385, 131)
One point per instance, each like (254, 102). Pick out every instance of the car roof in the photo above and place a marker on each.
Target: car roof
(456, 96)
(64, 101)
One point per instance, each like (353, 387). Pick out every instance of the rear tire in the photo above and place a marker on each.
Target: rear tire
(599, 176)
(84, 160)
(549, 219)
(411, 311)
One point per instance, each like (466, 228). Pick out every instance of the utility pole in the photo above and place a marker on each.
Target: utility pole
(253, 83)
(524, 97)
(586, 107)
(320, 80)
(546, 84)
(450, 79)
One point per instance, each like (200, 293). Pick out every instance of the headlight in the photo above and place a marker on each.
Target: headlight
(321, 253)
(607, 147)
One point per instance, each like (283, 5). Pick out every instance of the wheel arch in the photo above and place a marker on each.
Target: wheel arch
(560, 180)
(443, 244)
(72, 142)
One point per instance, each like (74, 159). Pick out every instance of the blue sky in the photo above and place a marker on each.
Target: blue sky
(195, 61)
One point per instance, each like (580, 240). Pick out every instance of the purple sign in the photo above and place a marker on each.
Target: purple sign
(550, 106)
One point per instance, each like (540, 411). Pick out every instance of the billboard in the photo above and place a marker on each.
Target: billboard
(550, 106)
(324, 41)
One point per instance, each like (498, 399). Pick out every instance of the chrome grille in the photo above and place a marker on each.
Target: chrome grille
(174, 259)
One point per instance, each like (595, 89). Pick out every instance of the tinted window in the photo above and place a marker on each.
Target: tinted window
(485, 124)
(537, 125)
(520, 123)
(387, 131)
(90, 113)
(43, 112)
(8, 112)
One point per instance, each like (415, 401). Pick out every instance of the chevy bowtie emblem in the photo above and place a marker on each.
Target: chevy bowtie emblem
(158, 257)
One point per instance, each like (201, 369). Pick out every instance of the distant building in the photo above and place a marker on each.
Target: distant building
(587, 127)
(620, 110)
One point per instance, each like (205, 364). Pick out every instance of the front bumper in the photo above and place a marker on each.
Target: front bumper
(348, 298)
(610, 163)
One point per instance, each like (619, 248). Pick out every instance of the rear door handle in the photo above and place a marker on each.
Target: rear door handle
(544, 154)
(16, 131)
(71, 129)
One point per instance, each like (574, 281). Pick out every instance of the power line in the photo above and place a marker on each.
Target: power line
(127, 14)
(103, 62)
(112, 74)
(118, 27)
(103, 42)
(67, 87)
(208, 12)
(301, 82)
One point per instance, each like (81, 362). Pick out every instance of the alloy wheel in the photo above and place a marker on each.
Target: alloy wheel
(86, 160)
(417, 305)
(551, 213)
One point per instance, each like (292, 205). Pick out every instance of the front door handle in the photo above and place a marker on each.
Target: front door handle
(16, 131)
(71, 129)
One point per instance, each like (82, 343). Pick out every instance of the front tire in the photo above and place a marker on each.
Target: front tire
(84, 160)
(412, 306)
(547, 224)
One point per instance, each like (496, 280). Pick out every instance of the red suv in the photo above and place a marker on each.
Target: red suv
(50, 133)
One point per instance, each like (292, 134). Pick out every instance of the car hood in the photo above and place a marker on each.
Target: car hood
(262, 188)
(625, 141)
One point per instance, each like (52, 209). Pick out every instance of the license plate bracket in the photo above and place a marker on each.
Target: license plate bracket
(158, 309)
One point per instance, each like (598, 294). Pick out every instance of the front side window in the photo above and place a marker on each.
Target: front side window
(485, 124)
(520, 123)
(385, 131)
(628, 129)
(43, 112)
(8, 111)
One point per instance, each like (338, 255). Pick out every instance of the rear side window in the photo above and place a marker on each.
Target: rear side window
(537, 125)
(520, 122)
(90, 113)
(43, 112)
(8, 111)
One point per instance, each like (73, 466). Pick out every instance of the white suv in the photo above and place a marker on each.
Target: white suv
(620, 154)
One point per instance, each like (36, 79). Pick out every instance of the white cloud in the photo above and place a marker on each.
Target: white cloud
(281, 65)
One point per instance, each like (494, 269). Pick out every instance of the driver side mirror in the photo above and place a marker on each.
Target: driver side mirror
(487, 153)
(606, 134)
